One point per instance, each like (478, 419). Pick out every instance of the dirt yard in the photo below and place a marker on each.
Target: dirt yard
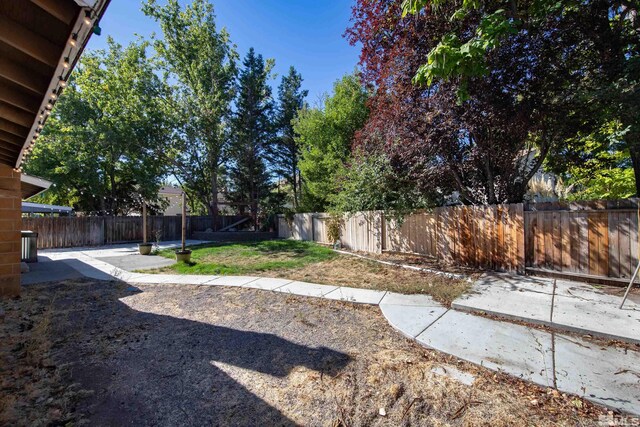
(106, 353)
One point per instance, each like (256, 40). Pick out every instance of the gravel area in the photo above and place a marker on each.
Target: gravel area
(107, 353)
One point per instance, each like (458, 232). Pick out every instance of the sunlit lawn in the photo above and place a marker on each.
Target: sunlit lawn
(251, 257)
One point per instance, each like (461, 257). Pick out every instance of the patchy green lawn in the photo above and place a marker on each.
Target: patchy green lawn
(251, 257)
(311, 262)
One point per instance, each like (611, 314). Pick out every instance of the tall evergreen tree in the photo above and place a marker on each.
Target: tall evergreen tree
(284, 153)
(252, 131)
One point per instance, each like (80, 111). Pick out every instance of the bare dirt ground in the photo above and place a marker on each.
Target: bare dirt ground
(105, 353)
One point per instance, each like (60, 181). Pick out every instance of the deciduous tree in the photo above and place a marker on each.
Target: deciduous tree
(487, 142)
(201, 60)
(325, 136)
(102, 143)
(599, 46)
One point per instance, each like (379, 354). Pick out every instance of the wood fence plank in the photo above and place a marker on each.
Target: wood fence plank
(633, 242)
(593, 245)
(624, 244)
(614, 244)
(603, 244)
(583, 242)
(557, 241)
(565, 245)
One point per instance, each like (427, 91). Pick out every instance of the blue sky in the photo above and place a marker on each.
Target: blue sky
(304, 33)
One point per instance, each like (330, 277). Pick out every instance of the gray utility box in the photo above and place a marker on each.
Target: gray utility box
(29, 246)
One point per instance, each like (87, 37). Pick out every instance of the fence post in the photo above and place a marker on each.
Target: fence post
(103, 231)
(379, 230)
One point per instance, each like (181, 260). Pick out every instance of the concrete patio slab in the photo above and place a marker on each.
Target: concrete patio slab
(267, 283)
(411, 320)
(516, 350)
(577, 307)
(609, 376)
(179, 279)
(232, 280)
(97, 269)
(46, 270)
(157, 278)
(393, 298)
(306, 289)
(598, 318)
(514, 297)
(131, 248)
(586, 292)
(136, 261)
(362, 296)
(140, 278)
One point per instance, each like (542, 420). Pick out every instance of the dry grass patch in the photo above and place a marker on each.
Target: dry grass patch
(34, 389)
(311, 262)
(361, 273)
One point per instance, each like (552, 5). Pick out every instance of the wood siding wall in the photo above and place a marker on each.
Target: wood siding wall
(67, 232)
(596, 238)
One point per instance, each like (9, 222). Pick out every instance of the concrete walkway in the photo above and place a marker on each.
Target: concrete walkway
(605, 375)
(561, 304)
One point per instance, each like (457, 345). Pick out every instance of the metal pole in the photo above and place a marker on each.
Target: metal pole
(184, 219)
(144, 222)
(635, 273)
(626, 294)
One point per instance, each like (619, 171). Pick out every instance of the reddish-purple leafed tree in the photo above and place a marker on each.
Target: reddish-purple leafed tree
(488, 146)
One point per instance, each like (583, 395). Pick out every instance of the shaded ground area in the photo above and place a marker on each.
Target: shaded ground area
(105, 353)
(310, 262)
(46, 270)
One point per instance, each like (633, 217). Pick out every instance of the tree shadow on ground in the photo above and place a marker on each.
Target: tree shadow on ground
(150, 369)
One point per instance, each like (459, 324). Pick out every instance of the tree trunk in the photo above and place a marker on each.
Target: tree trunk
(114, 199)
(295, 186)
(253, 200)
(213, 208)
(634, 152)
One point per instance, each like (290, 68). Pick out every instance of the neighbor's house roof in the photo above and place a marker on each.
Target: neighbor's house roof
(32, 185)
(40, 43)
(28, 207)
(166, 191)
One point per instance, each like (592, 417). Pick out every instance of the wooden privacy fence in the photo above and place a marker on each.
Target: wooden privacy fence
(595, 239)
(598, 239)
(487, 236)
(66, 232)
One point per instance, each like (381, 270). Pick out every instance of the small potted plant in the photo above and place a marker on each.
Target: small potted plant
(184, 254)
(144, 247)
